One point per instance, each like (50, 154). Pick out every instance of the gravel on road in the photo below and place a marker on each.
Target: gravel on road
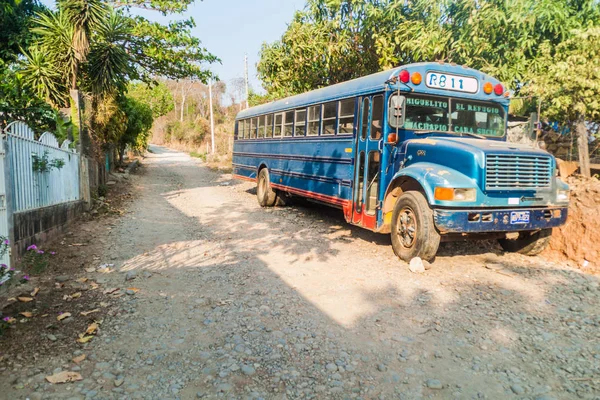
(224, 299)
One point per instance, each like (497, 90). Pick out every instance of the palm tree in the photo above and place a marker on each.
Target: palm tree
(84, 16)
(63, 47)
(79, 46)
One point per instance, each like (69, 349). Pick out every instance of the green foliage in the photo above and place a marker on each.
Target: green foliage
(99, 46)
(15, 35)
(169, 51)
(188, 131)
(336, 40)
(43, 77)
(35, 260)
(255, 99)
(567, 77)
(195, 154)
(110, 65)
(139, 121)
(164, 6)
(44, 164)
(19, 103)
(156, 95)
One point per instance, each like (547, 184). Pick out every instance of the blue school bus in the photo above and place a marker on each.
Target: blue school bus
(418, 152)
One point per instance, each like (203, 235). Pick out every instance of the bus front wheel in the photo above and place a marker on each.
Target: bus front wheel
(413, 230)
(264, 192)
(528, 243)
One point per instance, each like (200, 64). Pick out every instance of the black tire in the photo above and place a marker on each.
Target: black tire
(413, 214)
(265, 194)
(283, 199)
(528, 243)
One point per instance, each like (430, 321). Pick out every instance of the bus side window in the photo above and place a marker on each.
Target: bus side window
(346, 120)
(364, 118)
(253, 122)
(300, 122)
(246, 129)
(314, 114)
(288, 124)
(377, 115)
(278, 125)
(329, 116)
(269, 126)
(261, 126)
(237, 130)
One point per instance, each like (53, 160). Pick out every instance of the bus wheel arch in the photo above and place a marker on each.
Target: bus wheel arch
(398, 186)
(260, 168)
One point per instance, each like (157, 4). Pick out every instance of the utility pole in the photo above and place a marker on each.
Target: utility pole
(212, 122)
(246, 76)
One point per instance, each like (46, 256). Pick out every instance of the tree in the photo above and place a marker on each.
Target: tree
(98, 46)
(18, 103)
(566, 79)
(139, 121)
(156, 95)
(15, 17)
(336, 40)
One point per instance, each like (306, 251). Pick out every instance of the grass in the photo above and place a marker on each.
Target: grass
(198, 155)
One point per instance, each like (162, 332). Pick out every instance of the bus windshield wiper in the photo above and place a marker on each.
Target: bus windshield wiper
(470, 134)
(426, 132)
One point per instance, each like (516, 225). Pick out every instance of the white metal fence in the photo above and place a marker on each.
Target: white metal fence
(4, 228)
(45, 186)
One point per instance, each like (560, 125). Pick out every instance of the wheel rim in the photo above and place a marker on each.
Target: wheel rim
(407, 227)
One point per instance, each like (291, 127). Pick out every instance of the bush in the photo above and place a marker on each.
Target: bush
(102, 190)
(35, 260)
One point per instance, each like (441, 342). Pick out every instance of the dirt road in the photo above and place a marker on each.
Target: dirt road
(236, 301)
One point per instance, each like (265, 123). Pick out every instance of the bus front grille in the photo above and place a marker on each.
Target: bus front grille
(526, 172)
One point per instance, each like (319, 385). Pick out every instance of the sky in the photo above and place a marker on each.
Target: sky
(230, 28)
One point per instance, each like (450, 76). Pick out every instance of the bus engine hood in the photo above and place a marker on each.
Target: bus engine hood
(496, 170)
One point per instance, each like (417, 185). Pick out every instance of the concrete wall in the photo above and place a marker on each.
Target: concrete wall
(39, 225)
(96, 174)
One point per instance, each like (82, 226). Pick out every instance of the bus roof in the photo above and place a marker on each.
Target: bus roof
(373, 83)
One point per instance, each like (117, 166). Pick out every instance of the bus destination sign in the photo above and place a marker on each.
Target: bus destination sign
(458, 83)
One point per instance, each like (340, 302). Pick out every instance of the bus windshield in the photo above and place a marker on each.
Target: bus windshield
(453, 115)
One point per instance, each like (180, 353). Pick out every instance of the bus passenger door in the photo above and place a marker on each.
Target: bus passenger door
(367, 171)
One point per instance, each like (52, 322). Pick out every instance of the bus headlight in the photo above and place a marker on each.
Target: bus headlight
(452, 194)
(562, 196)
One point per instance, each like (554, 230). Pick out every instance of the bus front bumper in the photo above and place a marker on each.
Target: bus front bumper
(499, 220)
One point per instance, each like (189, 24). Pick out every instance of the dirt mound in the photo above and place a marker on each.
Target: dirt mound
(579, 239)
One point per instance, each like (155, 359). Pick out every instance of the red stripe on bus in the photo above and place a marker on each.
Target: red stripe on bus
(245, 178)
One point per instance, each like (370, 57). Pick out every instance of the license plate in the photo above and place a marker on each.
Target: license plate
(519, 217)
(459, 83)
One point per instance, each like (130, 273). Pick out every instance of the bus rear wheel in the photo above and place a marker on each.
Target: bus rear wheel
(265, 194)
(413, 230)
(528, 243)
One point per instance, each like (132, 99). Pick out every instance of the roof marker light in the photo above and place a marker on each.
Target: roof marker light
(404, 76)
(498, 89)
(488, 88)
(416, 78)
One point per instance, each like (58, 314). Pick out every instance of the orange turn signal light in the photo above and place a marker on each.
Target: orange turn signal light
(416, 78)
(442, 193)
(488, 88)
(392, 138)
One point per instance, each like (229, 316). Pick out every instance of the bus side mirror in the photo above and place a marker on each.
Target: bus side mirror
(533, 127)
(396, 111)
